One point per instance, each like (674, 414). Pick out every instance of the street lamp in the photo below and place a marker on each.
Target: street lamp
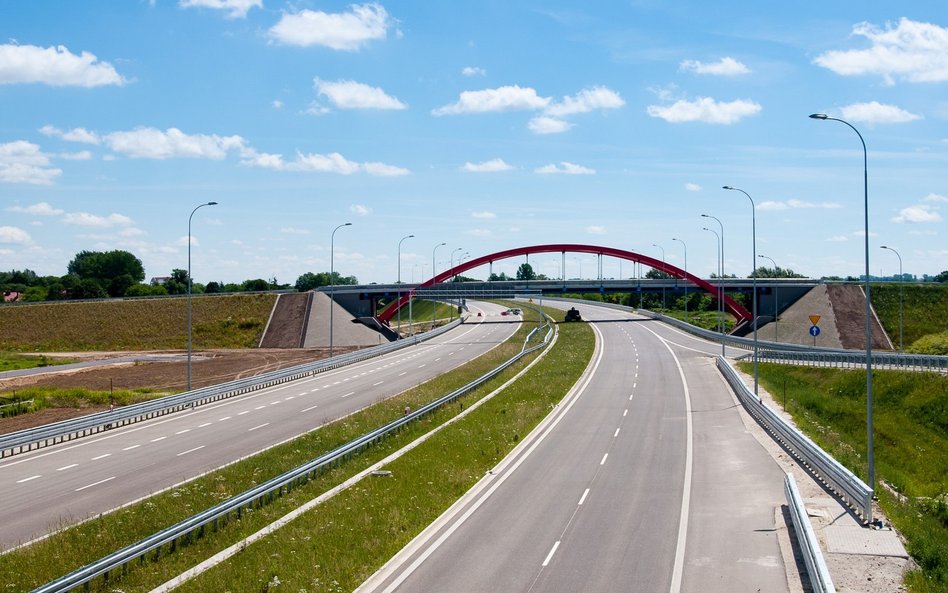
(686, 271)
(776, 288)
(901, 279)
(721, 297)
(865, 185)
(398, 303)
(189, 285)
(754, 282)
(332, 278)
(433, 274)
(717, 243)
(663, 272)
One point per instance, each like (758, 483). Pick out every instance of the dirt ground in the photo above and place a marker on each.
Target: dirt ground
(208, 367)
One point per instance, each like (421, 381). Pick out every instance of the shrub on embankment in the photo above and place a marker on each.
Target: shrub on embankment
(925, 325)
(230, 321)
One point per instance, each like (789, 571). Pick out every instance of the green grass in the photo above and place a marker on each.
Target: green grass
(911, 446)
(11, 361)
(231, 321)
(71, 548)
(924, 307)
(52, 397)
(423, 313)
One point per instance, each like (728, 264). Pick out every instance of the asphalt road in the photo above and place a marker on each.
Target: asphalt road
(643, 479)
(66, 483)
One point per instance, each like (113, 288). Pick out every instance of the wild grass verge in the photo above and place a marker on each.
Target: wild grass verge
(911, 446)
(11, 361)
(74, 547)
(51, 397)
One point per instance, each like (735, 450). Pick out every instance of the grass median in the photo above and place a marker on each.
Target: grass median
(66, 550)
(910, 418)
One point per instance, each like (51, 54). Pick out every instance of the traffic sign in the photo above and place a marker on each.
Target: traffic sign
(814, 331)
(814, 319)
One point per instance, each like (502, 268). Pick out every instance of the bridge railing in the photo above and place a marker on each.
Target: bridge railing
(50, 434)
(263, 493)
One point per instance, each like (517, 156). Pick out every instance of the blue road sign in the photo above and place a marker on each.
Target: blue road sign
(814, 331)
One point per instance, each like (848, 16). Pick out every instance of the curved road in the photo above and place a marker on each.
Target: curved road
(44, 489)
(643, 479)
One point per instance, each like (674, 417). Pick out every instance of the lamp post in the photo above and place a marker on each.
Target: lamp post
(717, 243)
(332, 279)
(865, 185)
(433, 274)
(721, 294)
(901, 279)
(189, 285)
(399, 301)
(776, 288)
(663, 272)
(686, 271)
(754, 274)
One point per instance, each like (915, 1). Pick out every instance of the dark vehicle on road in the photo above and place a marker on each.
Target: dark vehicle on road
(573, 315)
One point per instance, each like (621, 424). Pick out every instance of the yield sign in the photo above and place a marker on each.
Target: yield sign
(814, 319)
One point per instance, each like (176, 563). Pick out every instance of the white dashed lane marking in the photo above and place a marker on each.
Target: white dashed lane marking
(94, 484)
(27, 479)
(258, 426)
(190, 451)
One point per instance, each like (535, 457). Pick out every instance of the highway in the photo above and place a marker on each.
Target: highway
(643, 479)
(45, 489)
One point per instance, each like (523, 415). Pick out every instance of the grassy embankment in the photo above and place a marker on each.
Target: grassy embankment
(232, 321)
(318, 549)
(424, 314)
(911, 446)
(11, 361)
(925, 325)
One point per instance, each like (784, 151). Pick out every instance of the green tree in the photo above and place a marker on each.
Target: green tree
(256, 285)
(941, 277)
(657, 274)
(140, 290)
(498, 277)
(525, 272)
(105, 266)
(213, 287)
(307, 281)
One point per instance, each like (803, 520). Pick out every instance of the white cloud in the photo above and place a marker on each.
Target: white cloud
(38, 209)
(237, 9)
(473, 71)
(726, 66)
(479, 233)
(484, 215)
(693, 187)
(877, 113)
(596, 230)
(360, 210)
(82, 155)
(505, 98)
(151, 143)
(14, 235)
(775, 205)
(383, 170)
(912, 51)
(586, 100)
(324, 163)
(93, 220)
(935, 198)
(276, 104)
(131, 232)
(349, 94)
(24, 162)
(343, 31)
(918, 213)
(548, 125)
(289, 230)
(705, 109)
(565, 168)
(490, 166)
(838, 239)
(54, 66)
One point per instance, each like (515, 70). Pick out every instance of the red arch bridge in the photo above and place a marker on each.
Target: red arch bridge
(730, 304)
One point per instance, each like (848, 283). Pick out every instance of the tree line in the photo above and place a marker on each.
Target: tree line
(118, 273)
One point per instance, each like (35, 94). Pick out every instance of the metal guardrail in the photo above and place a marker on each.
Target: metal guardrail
(265, 492)
(850, 488)
(820, 579)
(50, 434)
(792, 353)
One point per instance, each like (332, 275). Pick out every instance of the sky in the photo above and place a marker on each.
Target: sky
(483, 125)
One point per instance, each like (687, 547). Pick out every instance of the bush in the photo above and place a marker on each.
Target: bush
(933, 344)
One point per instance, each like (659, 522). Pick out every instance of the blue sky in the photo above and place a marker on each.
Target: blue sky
(484, 125)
